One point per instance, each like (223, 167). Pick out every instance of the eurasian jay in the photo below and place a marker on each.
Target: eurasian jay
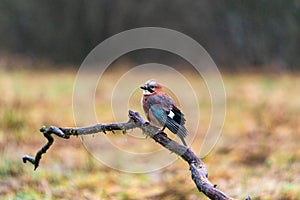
(161, 111)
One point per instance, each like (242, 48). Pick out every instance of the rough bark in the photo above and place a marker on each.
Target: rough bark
(198, 170)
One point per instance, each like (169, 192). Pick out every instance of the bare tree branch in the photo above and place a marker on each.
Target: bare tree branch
(197, 167)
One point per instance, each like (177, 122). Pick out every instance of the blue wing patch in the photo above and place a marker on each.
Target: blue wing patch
(159, 113)
(162, 116)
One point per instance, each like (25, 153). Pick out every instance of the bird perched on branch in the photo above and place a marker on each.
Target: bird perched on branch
(160, 110)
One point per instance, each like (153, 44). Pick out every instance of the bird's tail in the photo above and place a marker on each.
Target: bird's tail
(177, 129)
(181, 132)
(182, 140)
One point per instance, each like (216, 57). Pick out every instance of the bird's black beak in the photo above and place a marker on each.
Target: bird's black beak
(144, 87)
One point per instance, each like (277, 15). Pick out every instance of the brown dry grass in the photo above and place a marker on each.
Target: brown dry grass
(258, 153)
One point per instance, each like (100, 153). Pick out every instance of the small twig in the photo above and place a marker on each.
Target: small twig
(47, 134)
(197, 167)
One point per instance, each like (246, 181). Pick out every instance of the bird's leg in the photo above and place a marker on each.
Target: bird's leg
(163, 128)
(161, 131)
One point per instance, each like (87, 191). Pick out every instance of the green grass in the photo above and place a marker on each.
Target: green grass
(258, 153)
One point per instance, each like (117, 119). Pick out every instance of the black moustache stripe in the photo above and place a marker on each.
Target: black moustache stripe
(150, 90)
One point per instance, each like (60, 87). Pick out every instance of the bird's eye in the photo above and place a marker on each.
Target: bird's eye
(152, 86)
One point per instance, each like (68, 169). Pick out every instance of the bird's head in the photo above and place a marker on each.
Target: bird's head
(151, 87)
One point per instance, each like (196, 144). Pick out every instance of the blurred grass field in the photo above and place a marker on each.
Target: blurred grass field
(258, 153)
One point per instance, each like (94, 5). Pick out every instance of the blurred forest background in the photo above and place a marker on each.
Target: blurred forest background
(254, 43)
(255, 34)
